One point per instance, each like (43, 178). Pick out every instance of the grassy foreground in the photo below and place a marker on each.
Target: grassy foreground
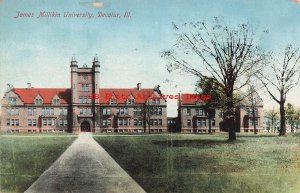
(24, 157)
(208, 163)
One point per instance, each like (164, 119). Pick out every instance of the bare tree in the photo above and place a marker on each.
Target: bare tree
(272, 119)
(218, 51)
(284, 77)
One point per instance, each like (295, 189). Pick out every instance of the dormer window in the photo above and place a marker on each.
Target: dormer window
(113, 101)
(38, 101)
(56, 101)
(12, 100)
(130, 101)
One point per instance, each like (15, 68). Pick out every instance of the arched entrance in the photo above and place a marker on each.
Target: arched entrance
(85, 126)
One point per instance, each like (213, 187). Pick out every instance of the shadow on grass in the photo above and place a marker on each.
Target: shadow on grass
(194, 143)
(256, 136)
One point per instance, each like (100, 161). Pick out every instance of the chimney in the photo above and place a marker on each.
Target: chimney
(28, 85)
(139, 86)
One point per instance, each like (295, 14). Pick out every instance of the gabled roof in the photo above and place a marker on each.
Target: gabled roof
(140, 96)
(27, 95)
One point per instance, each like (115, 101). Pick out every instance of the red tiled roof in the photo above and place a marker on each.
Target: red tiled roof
(27, 95)
(192, 98)
(123, 94)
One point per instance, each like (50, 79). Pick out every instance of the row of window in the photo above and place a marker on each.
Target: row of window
(12, 122)
(85, 99)
(200, 122)
(52, 122)
(85, 111)
(136, 111)
(156, 122)
(12, 111)
(199, 112)
(114, 101)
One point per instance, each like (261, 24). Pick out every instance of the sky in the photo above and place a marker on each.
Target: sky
(39, 50)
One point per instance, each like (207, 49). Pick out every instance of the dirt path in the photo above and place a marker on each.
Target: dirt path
(85, 167)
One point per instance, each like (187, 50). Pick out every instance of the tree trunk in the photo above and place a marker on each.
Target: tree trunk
(282, 130)
(232, 135)
(209, 125)
(229, 116)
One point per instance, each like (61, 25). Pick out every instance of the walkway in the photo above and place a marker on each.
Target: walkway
(85, 167)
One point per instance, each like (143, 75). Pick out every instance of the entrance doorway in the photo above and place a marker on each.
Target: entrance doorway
(85, 126)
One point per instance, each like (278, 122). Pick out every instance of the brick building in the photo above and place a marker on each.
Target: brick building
(192, 118)
(84, 106)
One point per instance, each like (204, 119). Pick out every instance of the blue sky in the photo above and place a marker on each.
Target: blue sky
(39, 50)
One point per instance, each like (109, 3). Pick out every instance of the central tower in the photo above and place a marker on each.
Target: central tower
(85, 107)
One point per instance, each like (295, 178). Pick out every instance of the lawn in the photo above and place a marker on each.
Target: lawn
(208, 163)
(24, 157)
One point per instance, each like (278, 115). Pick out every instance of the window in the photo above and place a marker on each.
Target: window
(60, 122)
(160, 122)
(8, 122)
(104, 122)
(135, 122)
(89, 99)
(12, 122)
(65, 122)
(113, 101)
(140, 122)
(249, 111)
(29, 122)
(85, 87)
(188, 122)
(63, 111)
(49, 122)
(151, 121)
(81, 99)
(12, 100)
(108, 122)
(122, 111)
(200, 112)
(188, 111)
(38, 101)
(155, 122)
(137, 111)
(47, 111)
(130, 101)
(106, 111)
(125, 122)
(89, 111)
(44, 122)
(17, 122)
(33, 122)
(56, 102)
(253, 121)
(155, 101)
(29, 112)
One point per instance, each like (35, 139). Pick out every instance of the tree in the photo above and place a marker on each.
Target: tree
(272, 119)
(254, 101)
(292, 116)
(218, 51)
(284, 77)
(212, 87)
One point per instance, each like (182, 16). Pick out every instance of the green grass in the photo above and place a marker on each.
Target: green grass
(24, 157)
(208, 163)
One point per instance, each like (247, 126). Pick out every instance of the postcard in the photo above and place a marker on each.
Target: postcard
(172, 96)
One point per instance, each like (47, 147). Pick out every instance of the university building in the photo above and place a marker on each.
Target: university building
(192, 117)
(84, 107)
